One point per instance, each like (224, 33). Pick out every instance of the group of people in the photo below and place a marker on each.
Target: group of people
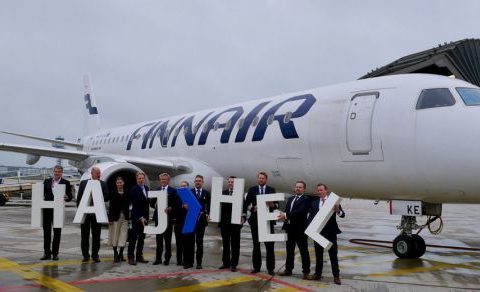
(129, 211)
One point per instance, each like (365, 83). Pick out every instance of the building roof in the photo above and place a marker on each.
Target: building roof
(460, 58)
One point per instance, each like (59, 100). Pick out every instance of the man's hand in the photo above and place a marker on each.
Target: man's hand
(143, 221)
(185, 206)
(270, 204)
(253, 209)
(168, 210)
(282, 216)
(336, 208)
(243, 220)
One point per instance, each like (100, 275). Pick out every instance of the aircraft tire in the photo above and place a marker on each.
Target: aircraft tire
(403, 246)
(419, 246)
(3, 200)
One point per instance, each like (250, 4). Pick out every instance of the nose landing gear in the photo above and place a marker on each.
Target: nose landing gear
(408, 245)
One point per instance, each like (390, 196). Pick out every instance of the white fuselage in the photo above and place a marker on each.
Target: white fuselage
(376, 146)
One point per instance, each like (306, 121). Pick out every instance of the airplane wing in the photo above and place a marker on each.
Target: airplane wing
(70, 144)
(77, 155)
(45, 151)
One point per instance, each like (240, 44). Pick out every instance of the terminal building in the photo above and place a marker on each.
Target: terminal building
(458, 59)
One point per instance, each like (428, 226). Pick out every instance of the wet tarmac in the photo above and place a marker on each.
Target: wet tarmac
(363, 268)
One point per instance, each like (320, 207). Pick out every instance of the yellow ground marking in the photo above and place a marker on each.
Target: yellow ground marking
(284, 289)
(434, 267)
(28, 274)
(213, 284)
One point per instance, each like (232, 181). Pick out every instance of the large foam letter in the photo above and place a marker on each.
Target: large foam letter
(162, 217)
(264, 216)
(236, 199)
(93, 189)
(38, 204)
(193, 211)
(319, 221)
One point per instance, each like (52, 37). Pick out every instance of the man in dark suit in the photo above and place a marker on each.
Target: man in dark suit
(90, 222)
(295, 222)
(139, 214)
(230, 232)
(196, 237)
(48, 185)
(330, 232)
(251, 204)
(172, 209)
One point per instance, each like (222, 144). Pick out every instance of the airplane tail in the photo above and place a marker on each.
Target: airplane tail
(92, 119)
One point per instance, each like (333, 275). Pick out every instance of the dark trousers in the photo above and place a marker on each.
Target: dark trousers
(299, 239)
(230, 238)
(332, 253)
(137, 237)
(160, 238)
(47, 234)
(177, 228)
(257, 254)
(190, 240)
(90, 223)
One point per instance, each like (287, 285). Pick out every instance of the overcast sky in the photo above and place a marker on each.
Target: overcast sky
(150, 59)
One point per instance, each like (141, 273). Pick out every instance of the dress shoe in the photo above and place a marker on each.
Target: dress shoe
(199, 267)
(271, 273)
(337, 281)
(122, 259)
(116, 259)
(306, 277)
(156, 263)
(187, 266)
(285, 273)
(179, 264)
(223, 267)
(96, 259)
(131, 261)
(166, 262)
(85, 259)
(45, 257)
(254, 271)
(55, 258)
(233, 269)
(140, 259)
(315, 277)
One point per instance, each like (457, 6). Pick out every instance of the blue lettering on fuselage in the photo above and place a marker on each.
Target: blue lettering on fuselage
(160, 129)
(238, 111)
(287, 128)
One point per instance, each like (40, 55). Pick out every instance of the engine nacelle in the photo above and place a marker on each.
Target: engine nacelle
(32, 159)
(198, 167)
(111, 170)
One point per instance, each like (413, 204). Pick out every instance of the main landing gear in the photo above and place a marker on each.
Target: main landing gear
(408, 245)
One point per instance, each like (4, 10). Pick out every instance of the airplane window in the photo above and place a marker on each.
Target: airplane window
(255, 121)
(270, 119)
(228, 125)
(240, 123)
(470, 96)
(287, 117)
(435, 97)
(215, 126)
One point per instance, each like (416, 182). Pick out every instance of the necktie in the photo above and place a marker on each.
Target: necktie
(293, 203)
(198, 194)
(322, 202)
(163, 188)
(261, 191)
(230, 192)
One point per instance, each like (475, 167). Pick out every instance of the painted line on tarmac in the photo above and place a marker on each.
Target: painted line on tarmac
(275, 280)
(44, 281)
(213, 284)
(435, 266)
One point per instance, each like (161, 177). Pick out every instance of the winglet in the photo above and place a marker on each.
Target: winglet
(92, 119)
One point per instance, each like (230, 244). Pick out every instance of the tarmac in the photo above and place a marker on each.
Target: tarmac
(362, 267)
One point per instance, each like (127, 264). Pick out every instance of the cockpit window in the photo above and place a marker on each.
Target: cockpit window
(470, 96)
(435, 97)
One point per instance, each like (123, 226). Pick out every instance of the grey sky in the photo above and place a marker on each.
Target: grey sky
(149, 59)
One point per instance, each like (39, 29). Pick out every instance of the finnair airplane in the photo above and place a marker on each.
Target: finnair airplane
(409, 139)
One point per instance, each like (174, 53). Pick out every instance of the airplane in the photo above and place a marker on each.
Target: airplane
(409, 139)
